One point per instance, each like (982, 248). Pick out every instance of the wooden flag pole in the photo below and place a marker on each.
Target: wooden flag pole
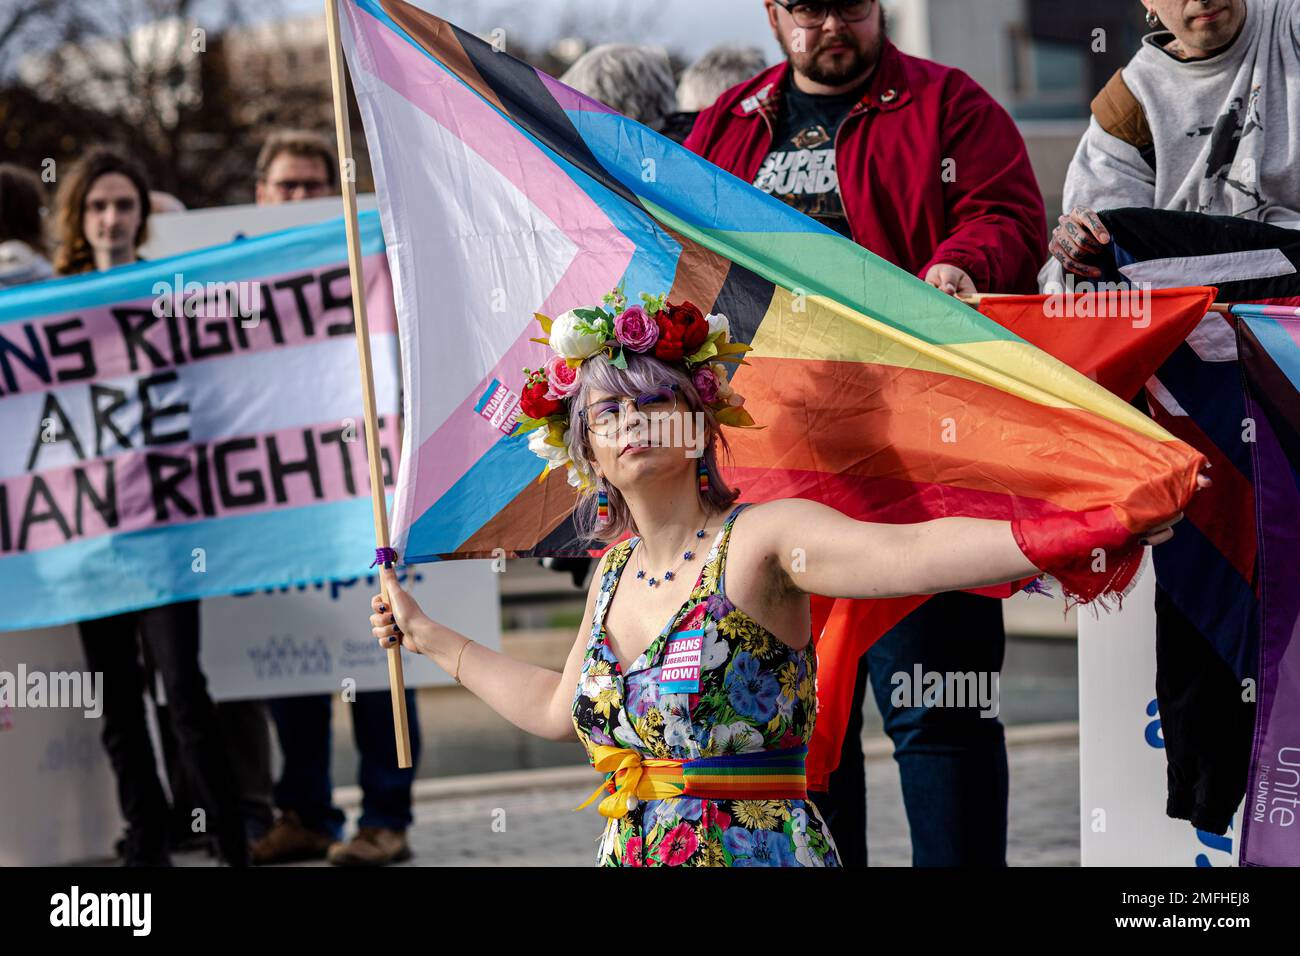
(347, 179)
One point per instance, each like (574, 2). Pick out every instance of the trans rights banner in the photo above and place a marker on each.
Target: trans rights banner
(189, 426)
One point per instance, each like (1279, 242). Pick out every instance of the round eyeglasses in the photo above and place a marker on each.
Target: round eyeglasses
(603, 418)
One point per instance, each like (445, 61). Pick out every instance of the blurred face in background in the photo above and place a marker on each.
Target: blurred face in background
(1200, 26)
(111, 218)
(291, 177)
(835, 45)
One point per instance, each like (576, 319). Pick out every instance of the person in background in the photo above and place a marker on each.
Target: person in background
(22, 230)
(103, 214)
(1202, 119)
(917, 163)
(245, 727)
(295, 165)
(636, 81)
(708, 78)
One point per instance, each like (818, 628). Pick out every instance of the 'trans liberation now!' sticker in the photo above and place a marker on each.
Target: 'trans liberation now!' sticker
(680, 673)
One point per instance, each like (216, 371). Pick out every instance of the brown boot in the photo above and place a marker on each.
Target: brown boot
(289, 841)
(372, 846)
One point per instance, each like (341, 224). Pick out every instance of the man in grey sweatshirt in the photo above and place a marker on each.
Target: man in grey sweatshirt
(1203, 119)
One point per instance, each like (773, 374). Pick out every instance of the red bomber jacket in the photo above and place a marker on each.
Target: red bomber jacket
(931, 169)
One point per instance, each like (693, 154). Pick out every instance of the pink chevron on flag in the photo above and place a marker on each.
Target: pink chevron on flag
(573, 253)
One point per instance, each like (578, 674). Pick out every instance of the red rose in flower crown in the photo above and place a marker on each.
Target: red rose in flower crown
(682, 330)
(534, 401)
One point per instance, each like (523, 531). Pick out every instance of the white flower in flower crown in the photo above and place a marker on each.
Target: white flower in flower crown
(580, 475)
(717, 322)
(538, 445)
(568, 340)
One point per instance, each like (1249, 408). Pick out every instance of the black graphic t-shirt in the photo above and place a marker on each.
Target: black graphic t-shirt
(800, 170)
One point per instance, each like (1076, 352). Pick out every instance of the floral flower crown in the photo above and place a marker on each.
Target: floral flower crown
(675, 334)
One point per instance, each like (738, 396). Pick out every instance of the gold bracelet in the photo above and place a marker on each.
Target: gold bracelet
(456, 675)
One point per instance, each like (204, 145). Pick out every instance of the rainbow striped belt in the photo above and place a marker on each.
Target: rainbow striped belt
(765, 775)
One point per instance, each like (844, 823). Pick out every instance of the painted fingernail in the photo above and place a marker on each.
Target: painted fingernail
(383, 609)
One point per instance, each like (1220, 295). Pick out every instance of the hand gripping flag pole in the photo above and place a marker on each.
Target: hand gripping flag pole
(347, 179)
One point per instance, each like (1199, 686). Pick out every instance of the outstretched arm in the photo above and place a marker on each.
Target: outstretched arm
(532, 698)
(822, 551)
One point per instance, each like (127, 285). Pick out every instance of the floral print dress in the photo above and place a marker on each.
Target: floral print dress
(756, 694)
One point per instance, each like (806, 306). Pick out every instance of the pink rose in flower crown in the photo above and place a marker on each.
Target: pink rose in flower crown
(706, 383)
(563, 381)
(636, 330)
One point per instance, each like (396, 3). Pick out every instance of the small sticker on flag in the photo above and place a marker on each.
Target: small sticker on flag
(680, 673)
(499, 406)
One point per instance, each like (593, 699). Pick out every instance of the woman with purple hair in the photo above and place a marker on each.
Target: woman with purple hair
(693, 685)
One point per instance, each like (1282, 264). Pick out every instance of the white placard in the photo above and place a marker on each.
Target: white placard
(1122, 766)
(172, 233)
(310, 639)
(60, 798)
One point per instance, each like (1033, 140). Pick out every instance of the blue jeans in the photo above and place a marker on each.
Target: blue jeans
(952, 762)
(303, 726)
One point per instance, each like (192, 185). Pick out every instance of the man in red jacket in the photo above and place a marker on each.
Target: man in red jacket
(916, 162)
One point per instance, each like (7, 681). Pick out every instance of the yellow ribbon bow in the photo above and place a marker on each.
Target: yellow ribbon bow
(651, 779)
